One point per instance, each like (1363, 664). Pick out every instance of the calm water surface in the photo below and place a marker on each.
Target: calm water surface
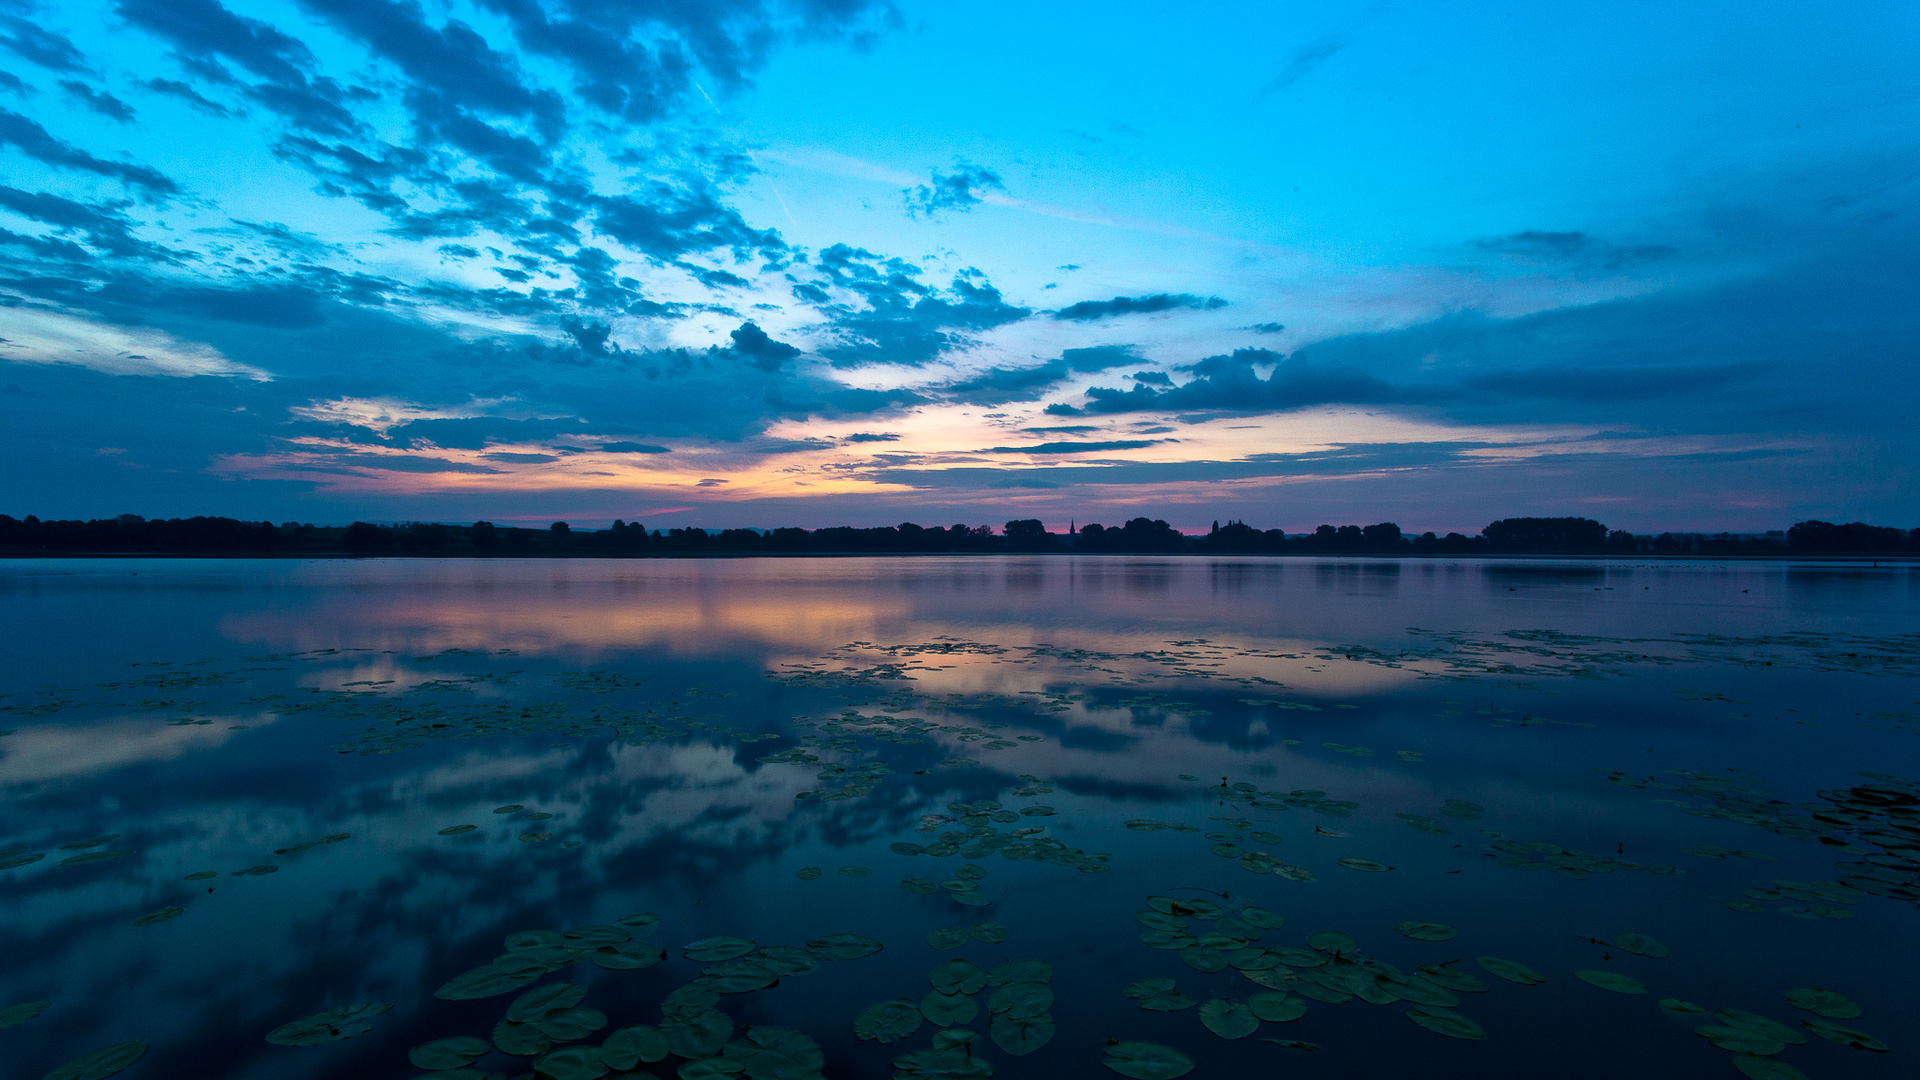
(753, 818)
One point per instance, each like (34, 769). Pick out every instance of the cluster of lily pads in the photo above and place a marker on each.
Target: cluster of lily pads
(1020, 1018)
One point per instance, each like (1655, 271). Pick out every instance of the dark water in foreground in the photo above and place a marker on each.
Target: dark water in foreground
(1538, 758)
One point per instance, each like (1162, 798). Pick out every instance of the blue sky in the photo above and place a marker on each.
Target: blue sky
(756, 263)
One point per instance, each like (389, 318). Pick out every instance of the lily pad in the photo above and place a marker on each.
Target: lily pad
(889, 1021)
(1740, 1040)
(1016, 971)
(1611, 980)
(590, 937)
(626, 956)
(1277, 1007)
(1147, 1061)
(958, 977)
(1019, 1035)
(536, 1003)
(854, 871)
(525, 940)
(1845, 1036)
(633, 1045)
(571, 1063)
(1426, 931)
(520, 1040)
(777, 1053)
(1367, 865)
(1159, 995)
(1333, 942)
(1458, 981)
(1229, 1019)
(1829, 1003)
(697, 1033)
(1641, 945)
(1764, 1024)
(12, 861)
(807, 873)
(456, 1052)
(990, 933)
(948, 937)
(567, 1025)
(1445, 1022)
(948, 1010)
(508, 809)
(1766, 1068)
(329, 1025)
(101, 1063)
(1683, 1010)
(456, 830)
(919, 886)
(843, 946)
(1510, 970)
(714, 949)
(15, 1015)
(1021, 1000)
(954, 1063)
(159, 916)
(94, 857)
(1261, 917)
(202, 875)
(533, 963)
(710, 1069)
(1166, 939)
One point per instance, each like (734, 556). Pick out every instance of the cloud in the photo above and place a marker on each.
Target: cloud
(867, 437)
(901, 320)
(956, 190)
(1267, 327)
(104, 226)
(381, 415)
(98, 100)
(996, 386)
(752, 345)
(34, 141)
(632, 448)
(39, 45)
(38, 336)
(1077, 447)
(1088, 310)
(1573, 248)
(1305, 61)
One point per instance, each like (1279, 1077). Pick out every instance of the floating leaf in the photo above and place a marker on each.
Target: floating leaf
(1166, 939)
(789, 959)
(1426, 931)
(1766, 1068)
(1019, 1035)
(1257, 916)
(626, 956)
(1458, 981)
(202, 875)
(697, 1033)
(948, 937)
(341, 1022)
(640, 921)
(101, 1063)
(854, 871)
(1015, 971)
(508, 809)
(947, 1010)
(1367, 865)
(1021, 1000)
(1610, 980)
(777, 1053)
(1294, 956)
(1641, 945)
(807, 873)
(1205, 958)
(710, 1069)
(12, 861)
(1445, 1022)
(533, 963)
(1764, 1024)
(889, 1021)
(1828, 1003)
(1332, 941)
(94, 857)
(97, 841)
(1276, 1006)
(520, 1040)
(1845, 1036)
(1510, 970)
(1147, 1061)
(589, 937)
(571, 1063)
(919, 886)
(714, 949)
(15, 1015)
(1740, 1039)
(566, 1025)
(1229, 1019)
(1683, 1010)
(990, 933)
(1159, 995)
(160, 916)
(526, 940)
(843, 946)
(456, 1052)
(536, 1003)
(958, 977)
(456, 830)
(941, 1064)
(631, 1046)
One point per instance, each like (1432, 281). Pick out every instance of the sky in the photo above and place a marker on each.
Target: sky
(819, 262)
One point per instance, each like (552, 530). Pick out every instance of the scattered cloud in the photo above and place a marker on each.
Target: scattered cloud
(957, 190)
(1088, 310)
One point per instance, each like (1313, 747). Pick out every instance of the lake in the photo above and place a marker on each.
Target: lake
(958, 817)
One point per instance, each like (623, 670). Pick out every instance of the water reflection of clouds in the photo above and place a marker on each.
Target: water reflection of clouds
(44, 753)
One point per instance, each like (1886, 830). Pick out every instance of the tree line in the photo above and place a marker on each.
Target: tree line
(131, 534)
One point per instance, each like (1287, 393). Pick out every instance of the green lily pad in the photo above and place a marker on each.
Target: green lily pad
(520, 1040)
(948, 937)
(508, 809)
(1166, 939)
(15, 1015)
(1611, 980)
(1160, 920)
(590, 937)
(1229, 1019)
(1205, 958)
(1261, 917)
(1766, 1068)
(1763, 1024)
(456, 830)
(710, 1069)
(954, 1063)
(202, 875)
(533, 963)
(12, 861)
(1740, 1040)
(714, 949)
(1510, 970)
(101, 1063)
(990, 933)
(1159, 995)
(456, 1052)
(697, 1033)
(1021, 1000)
(1367, 865)
(854, 871)
(1683, 1010)
(1019, 1035)
(919, 886)
(777, 1053)
(742, 976)
(1845, 1036)
(807, 873)
(642, 921)
(1333, 942)
(1276, 1006)
(94, 857)
(1445, 1022)
(536, 1003)
(1019, 971)
(1147, 1061)
(626, 956)
(159, 916)
(948, 1010)
(571, 1063)
(329, 1025)
(631, 1046)
(535, 837)
(843, 946)
(1641, 945)
(567, 1025)
(92, 842)
(1294, 956)
(958, 977)
(889, 1021)
(1829, 1003)
(1419, 930)
(1457, 981)
(525, 940)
